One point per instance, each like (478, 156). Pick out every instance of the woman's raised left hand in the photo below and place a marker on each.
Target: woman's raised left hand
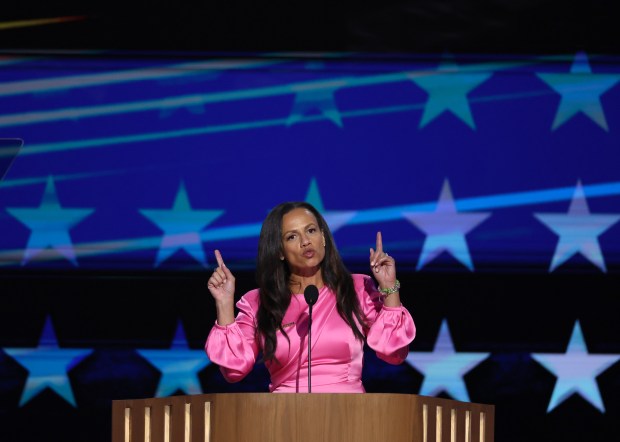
(382, 265)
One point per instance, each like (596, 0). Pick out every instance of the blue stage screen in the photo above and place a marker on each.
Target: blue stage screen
(462, 162)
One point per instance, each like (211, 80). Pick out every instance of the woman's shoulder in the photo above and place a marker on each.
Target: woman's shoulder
(362, 282)
(359, 277)
(251, 299)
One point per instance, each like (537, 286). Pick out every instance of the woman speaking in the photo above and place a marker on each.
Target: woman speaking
(296, 250)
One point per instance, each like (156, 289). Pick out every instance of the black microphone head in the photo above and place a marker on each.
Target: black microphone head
(311, 294)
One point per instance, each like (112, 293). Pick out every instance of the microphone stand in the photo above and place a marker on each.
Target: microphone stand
(311, 294)
(309, 351)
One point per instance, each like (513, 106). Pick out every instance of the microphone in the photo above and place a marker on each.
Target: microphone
(311, 294)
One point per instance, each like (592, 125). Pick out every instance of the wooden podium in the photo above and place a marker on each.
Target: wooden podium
(301, 417)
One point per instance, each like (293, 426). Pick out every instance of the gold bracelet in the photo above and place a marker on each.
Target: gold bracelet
(389, 291)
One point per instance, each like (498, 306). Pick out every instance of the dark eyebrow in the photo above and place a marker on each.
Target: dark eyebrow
(305, 227)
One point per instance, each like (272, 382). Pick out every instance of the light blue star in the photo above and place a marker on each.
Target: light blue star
(311, 97)
(581, 91)
(47, 366)
(444, 368)
(445, 229)
(334, 219)
(447, 91)
(179, 366)
(181, 226)
(578, 231)
(576, 370)
(50, 225)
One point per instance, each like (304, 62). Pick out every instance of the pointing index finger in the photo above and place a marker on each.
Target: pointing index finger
(218, 258)
(379, 247)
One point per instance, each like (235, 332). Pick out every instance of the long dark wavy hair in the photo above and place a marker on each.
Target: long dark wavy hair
(273, 276)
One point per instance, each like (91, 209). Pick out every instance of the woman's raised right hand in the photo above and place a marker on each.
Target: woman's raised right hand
(222, 282)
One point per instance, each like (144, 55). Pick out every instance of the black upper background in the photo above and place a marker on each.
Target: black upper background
(418, 26)
(509, 315)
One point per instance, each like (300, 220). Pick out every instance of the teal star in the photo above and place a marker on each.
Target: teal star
(444, 368)
(576, 371)
(447, 91)
(179, 366)
(334, 219)
(581, 91)
(445, 229)
(319, 97)
(50, 225)
(47, 366)
(578, 231)
(182, 227)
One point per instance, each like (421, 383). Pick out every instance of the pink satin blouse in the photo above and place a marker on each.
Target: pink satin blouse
(337, 357)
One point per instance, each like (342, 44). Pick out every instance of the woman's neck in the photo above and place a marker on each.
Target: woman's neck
(298, 283)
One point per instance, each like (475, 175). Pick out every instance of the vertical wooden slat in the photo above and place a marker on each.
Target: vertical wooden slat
(127, 425)
(438, 423)
(187, 422)
(453, 425)
(207, 422)
(467, 426)
(167, 422)
(147, 424)
(425, 423)
(482, 426)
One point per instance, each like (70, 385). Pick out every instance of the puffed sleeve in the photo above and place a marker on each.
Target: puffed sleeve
(391, 329)
(234, 347)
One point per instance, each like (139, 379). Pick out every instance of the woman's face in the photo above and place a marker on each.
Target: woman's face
(303, 243)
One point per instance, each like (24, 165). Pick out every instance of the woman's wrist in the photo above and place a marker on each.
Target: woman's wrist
(391, 294)
(392, 300)
(225, 312)
(390, 289)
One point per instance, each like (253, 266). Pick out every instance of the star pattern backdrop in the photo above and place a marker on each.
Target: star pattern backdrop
(494, 181)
